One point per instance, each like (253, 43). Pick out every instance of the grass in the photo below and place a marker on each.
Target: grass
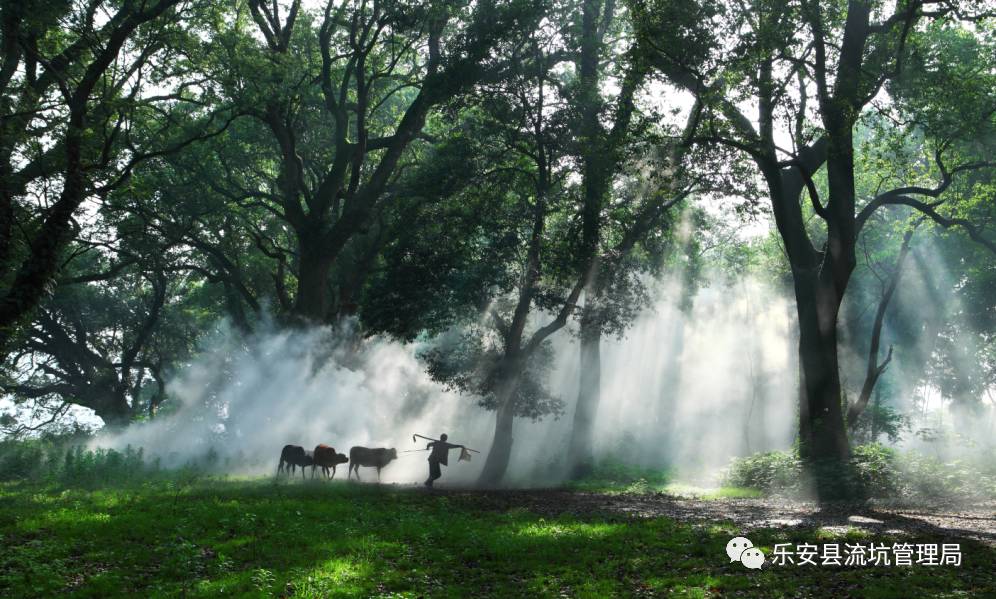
(708, 493)
(615, 477)
(675, 489)
(259, 538)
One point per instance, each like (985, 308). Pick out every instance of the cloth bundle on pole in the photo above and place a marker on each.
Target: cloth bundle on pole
(465, 449)
(464, 455)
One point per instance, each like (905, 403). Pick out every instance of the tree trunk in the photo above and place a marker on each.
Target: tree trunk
(352, 283)
(114, 418)
(874, 369)
(875, 412)
(823, 439)
(496, 463)
(311, 302)
(665, 408)
(107, 396)
(6, 213)
(581, 460)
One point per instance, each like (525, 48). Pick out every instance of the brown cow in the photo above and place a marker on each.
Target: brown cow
(326, 457)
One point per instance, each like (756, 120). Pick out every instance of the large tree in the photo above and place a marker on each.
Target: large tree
(502, 357)
(341, 96)
(74, 79)
(621, 208)
(808, 70)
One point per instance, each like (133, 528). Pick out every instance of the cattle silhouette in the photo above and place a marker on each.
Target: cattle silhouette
(326, 457)
(372, 458)
(292, 456)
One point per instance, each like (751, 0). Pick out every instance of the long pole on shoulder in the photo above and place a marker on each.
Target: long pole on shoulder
(431, 439)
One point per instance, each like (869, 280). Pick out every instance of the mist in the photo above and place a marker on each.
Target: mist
(685, 390)
(947, 425)
(682, 390)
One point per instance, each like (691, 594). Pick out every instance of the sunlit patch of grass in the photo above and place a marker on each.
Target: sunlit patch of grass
(830, 533)
(732, 493)
(856, 533)
(342, 570)
(579, 531)
(710, 493)
(254, 538)
(683, 490)
(61, 516)
(612, 477)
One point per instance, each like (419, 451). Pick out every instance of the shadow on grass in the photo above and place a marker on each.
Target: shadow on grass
(261, 538)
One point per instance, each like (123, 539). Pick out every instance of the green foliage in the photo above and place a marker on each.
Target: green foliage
(611, 475)
(879, 420)
(70, 464)
(473, 362)
(947, 87)
(875, 471)
(455, 245)
(771, 472)
(935, 479)
(22, 459)
(98, 467)
(871, 472)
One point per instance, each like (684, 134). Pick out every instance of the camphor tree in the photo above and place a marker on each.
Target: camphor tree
(809, 70)
(220, 212)
(341, 97)
(185, 202)
(502, 357)
(94, 346)
(74, 80)
(537, 112)
(127, 307)
(633, 172)
(944, 100)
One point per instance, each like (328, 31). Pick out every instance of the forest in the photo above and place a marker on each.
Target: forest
(666, 272)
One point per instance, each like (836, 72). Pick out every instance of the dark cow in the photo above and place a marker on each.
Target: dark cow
(325, 458)
(292, 456)
(372, 458)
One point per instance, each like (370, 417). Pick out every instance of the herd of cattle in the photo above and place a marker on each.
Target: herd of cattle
(325, 457)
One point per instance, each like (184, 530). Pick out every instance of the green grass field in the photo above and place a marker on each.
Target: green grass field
(210, 537)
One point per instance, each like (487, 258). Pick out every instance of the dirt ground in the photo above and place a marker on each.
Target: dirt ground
(977, 521)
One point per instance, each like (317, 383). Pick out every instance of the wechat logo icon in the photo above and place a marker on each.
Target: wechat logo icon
(740, 549)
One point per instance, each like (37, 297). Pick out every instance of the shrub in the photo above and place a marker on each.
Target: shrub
(22, 459)
(872, 471)
(934, 479)
(102, 466)
(60, 461)
(875, 470)
(622, 472)
(614, 474)
(771, 472)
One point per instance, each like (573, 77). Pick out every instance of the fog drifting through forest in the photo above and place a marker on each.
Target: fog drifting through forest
(678, 390)
(684, 390)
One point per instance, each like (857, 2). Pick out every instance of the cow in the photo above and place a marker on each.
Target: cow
(292, 456)
(326, 457)
(373, 458)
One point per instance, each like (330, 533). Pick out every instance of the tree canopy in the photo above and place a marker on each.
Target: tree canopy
(488, 177)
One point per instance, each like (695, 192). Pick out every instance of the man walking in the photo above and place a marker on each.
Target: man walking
(439, 455)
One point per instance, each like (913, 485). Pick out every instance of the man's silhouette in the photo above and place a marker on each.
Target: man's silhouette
(439, 455)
